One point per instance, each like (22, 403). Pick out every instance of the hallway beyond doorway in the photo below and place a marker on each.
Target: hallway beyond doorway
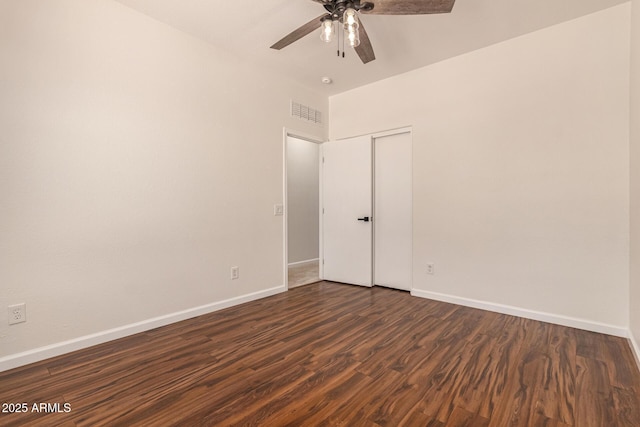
(304, 273)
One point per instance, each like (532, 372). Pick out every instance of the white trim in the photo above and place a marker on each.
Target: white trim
(394, 131)
(635, 348)
(391, 132)
(42, 353)
(321, 212)
(306, 261)
(572, 322)
(301, 135)
(285, 203)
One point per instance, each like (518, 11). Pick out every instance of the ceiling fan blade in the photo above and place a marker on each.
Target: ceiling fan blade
(364, 50)
(408, 7)
(295, 35)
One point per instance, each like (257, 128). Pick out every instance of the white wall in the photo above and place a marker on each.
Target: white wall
(302, 199)
(521, 172)
(634, 299)
(137, 165)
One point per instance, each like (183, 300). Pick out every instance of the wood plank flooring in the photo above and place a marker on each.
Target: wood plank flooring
(338, 355)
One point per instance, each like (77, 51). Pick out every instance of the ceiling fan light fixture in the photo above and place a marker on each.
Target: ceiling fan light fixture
(350, 20)
(353, 38)
(327, 31)
(351, 25)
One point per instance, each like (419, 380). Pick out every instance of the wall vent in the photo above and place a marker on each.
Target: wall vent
(306, 113)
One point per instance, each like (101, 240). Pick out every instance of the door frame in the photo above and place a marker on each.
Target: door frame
(286, 132)
(375, 135)
(318, 140)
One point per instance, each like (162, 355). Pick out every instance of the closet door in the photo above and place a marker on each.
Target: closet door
(393, 245)
(347, 211)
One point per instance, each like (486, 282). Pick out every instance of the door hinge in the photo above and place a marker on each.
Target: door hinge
(322, 159)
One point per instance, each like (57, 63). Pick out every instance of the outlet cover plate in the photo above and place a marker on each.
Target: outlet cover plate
(17, 313)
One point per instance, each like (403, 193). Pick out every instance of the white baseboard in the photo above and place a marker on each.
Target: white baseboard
(572, 322)
(635, 348)
(306, 261)
(46, 352)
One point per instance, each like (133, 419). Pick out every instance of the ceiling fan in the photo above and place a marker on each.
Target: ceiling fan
(345, 13)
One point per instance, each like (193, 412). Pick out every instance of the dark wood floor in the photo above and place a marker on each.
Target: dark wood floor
(329, 354)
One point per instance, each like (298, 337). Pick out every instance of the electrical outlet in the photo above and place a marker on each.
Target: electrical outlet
(235, 273)
(17, 313)
(430, 268)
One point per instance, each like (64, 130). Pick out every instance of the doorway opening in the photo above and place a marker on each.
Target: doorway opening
(302, 210)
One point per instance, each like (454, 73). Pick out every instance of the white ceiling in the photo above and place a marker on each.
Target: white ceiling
(401, 43)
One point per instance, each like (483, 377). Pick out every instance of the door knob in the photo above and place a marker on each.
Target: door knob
(365, 219)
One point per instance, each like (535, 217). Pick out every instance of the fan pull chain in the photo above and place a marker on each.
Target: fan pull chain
(338, 44)
(338, 39)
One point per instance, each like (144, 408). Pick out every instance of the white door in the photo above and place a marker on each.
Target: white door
(393, 211)
(347, 203)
